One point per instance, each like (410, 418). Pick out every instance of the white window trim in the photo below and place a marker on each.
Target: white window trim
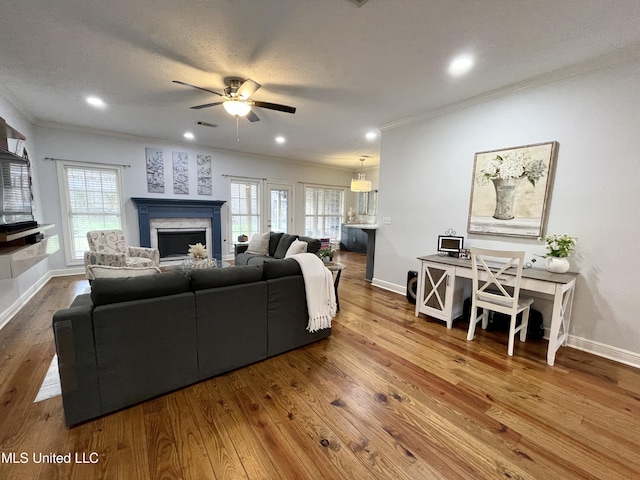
(261, 193)
(331, 187)
(64, 203)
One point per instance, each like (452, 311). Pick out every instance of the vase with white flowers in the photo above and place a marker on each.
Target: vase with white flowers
(559, 247)
(504, 171)
(199, 258)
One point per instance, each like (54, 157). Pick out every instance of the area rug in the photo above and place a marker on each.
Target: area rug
(51, 385)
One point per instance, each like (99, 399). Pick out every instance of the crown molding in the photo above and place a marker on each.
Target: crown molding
(602, 62)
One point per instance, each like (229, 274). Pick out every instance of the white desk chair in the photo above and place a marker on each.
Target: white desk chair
(497, 276)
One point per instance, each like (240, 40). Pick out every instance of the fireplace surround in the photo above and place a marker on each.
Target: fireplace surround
(168, 208)
(174, 243)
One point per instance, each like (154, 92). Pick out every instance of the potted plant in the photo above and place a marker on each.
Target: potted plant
(559, 247)
(326, 254)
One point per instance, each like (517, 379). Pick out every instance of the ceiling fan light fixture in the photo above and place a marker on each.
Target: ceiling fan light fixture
(237, 107)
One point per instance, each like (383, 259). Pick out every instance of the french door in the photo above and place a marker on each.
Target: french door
(279, 207)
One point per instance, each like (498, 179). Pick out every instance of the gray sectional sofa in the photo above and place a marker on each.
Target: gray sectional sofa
(279, 243)
(136, 338)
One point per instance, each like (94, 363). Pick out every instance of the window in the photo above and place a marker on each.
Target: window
(244, 207)
(91, 200)
(324, 207)
(15, 191)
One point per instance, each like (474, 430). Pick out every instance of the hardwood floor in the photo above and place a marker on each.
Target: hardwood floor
(388, 395)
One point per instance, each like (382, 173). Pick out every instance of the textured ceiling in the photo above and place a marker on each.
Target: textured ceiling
(347, 69)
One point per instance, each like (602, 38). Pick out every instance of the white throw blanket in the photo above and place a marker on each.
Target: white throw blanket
(321, 295)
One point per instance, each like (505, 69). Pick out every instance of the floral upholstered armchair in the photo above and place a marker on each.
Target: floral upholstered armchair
(109, 248)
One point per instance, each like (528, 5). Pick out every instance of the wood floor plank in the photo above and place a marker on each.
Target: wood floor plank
(327, 445)
(164, 461)
(388, 395)
(425, 420)
(192, 452)
(346, 438)
(272, 400)
(224, 458)
(283, 455)
(361, 403)
(255, 460)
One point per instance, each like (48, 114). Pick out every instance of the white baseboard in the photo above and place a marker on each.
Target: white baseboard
(15, 307)
(596, 348)
(602, 350)
(63, 272)
(392, 287)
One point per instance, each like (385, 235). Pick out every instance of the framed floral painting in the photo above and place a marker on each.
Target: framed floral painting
(511, 190)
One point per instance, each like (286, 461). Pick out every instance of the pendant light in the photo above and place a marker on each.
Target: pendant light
(360, 184)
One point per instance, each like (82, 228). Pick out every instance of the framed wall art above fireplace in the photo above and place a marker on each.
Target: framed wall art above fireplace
(511, 190)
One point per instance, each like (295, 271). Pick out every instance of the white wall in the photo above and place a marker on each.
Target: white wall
(13, 290)
(426, 174)
(68, 144)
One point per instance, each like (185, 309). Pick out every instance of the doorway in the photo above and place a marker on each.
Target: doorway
(279, 206)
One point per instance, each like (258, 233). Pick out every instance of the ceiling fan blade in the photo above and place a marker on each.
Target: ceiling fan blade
(207, 124)
(275, 106)
(206, 105)
(252, 117)
(195, 86)
(248, 88)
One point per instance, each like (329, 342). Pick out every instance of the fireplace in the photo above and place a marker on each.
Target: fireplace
(172, 236)
(174, 243)
(156, 215)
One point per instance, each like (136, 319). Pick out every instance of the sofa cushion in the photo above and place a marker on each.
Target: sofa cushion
(280, 268)
(107, 271)
(296, 247)
(274, 238)
(283, 245)
(113, 290)
(259, 243)
(222, 277)
(313, 244)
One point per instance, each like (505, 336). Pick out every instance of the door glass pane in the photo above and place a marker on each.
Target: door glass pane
(279, 210)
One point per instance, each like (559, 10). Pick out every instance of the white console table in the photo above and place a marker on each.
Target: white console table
(440, 296)
(17, 256)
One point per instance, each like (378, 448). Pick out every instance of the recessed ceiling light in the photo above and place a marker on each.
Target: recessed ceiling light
(461, 65)
(280, 139)
(189, 135)
(371, 135)
(95, 101)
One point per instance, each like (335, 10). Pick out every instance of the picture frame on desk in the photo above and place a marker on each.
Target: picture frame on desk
(505, 205)
(465, 253)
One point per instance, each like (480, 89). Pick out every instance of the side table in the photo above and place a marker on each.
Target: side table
(337, 268)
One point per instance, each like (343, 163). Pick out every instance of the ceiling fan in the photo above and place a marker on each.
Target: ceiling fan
(236, 98)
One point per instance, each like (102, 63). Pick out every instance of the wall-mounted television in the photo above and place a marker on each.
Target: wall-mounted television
(15, 193)
(450, 244)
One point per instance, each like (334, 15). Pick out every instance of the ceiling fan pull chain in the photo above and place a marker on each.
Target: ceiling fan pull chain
(237, 129)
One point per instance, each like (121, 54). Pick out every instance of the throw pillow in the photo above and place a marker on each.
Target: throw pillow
(259, 244)
(274, 239)
(296, 247)
(283, 245)
(313, 244)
